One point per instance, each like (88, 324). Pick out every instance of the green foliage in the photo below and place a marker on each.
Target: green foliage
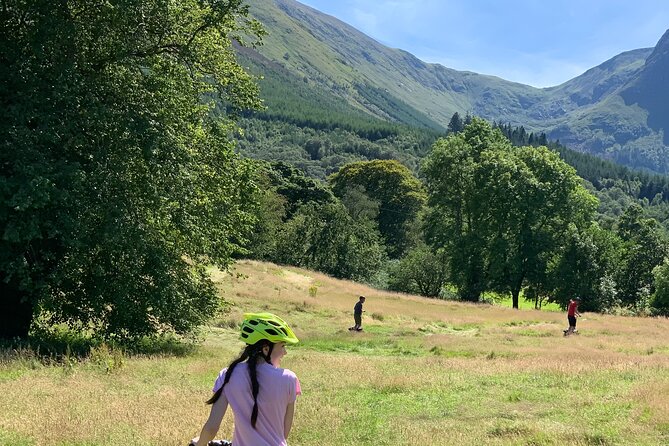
(534, 198)
(325, 238)
(400, 196)
(296, 188)
(499, 213)
(117, 185)
(270, 213)
(322, 151)
(456, 200)
(644, 249)
(586, 267)
(660, 302)
(420, 271)
(300, 222)
(455, 125)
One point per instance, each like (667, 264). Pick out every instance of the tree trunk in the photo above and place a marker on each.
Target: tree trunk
(16, 311)
(514, 294)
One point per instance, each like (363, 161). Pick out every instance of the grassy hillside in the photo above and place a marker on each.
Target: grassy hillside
(423, 372)
(613, 110)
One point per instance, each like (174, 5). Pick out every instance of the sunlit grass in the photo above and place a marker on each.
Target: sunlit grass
(422, 372)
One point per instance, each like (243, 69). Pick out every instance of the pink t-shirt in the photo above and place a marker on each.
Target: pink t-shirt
(278, 387)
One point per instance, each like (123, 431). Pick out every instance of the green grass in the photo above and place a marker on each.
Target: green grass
(426, 372)
(524, 304)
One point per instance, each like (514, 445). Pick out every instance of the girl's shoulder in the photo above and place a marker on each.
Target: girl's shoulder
(282, 373)
(289, 373)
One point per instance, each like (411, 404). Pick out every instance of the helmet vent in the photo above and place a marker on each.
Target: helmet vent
(257, 327)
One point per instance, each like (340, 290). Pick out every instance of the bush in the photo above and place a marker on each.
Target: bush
(660, 299)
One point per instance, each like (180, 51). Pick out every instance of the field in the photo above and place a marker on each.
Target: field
(424, 372)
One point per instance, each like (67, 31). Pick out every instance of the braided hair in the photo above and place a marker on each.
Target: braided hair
(250, 354)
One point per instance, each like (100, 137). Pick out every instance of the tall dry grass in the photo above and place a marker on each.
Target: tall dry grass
(423, 372)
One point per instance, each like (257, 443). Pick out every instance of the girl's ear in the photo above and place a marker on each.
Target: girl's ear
(265, 349)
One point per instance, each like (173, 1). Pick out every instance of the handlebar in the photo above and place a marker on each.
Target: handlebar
(215, 443)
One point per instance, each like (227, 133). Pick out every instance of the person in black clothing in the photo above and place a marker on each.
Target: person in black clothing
(357, 314)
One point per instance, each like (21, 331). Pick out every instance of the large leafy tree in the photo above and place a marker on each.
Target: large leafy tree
(644, 249)
(585, 267)
(398, 192)
(500, 213)
(457, 199)
(532, 198)
(117, 183)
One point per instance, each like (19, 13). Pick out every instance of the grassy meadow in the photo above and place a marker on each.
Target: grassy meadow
(424, 372)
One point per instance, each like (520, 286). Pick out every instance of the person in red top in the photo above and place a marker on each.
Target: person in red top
(572, 313)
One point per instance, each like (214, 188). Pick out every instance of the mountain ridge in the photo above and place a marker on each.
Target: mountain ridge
(612, 110)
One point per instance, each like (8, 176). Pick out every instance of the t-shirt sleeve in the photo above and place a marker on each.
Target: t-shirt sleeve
(294, 387)
(298, 387)
(219, 380)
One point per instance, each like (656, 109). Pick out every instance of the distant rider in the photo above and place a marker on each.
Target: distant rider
(572, 313)
(357, 314)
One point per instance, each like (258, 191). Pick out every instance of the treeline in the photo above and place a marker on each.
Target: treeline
(321, 152)
(485, 216)
(602, 173)
(617, 186)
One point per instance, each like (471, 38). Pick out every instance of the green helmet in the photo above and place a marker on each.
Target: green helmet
(257, 326)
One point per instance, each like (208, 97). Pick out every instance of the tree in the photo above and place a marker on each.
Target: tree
(457, 203)
(455, 125)
(533, 198)
(420, 271)
(325, 238)
(270, 213)
(399, 193)
(644, 248)
(585, 267)
(500, 213)
(117, 183)
(660, 301)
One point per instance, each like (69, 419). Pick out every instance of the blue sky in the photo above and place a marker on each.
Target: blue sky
(535, 42)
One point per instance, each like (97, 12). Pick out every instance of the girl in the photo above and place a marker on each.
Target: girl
(261, 394)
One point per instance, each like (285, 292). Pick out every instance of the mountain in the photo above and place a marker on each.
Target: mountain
(649, 89)
(617, 110)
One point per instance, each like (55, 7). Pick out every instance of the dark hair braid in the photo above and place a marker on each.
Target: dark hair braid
(255, 386)
(250, 354)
